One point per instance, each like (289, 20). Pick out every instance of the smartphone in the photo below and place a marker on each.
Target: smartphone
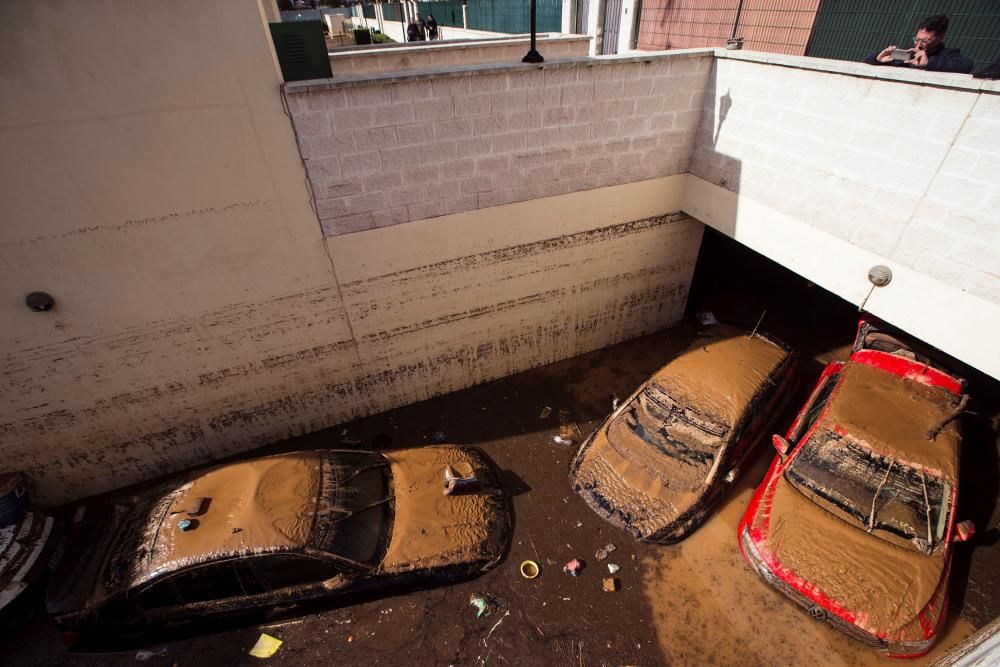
(902, 54)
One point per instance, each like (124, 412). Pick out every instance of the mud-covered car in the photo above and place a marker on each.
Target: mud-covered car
(259, 538)
(26, 547)
(665, 456)
(856, 516)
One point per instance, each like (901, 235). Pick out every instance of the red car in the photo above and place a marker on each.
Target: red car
(856, 517)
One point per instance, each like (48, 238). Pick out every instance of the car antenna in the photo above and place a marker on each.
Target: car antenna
(758, 323)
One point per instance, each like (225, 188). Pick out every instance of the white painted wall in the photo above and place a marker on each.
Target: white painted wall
(839, 166)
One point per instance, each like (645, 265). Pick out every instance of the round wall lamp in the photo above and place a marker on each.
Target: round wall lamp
(879, 275)
(39, 301)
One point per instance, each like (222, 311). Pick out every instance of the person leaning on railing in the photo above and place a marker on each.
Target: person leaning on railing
(928, 52)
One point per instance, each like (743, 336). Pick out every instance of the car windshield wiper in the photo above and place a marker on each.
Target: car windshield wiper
(927, 510)
(878, 491)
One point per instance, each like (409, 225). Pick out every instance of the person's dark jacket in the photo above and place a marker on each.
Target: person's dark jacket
(941, 59)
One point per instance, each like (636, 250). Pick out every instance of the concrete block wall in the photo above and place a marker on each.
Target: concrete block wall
(391, 150)
(905, 165)
(358, 61)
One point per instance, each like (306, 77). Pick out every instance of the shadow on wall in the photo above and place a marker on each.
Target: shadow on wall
(710, 161)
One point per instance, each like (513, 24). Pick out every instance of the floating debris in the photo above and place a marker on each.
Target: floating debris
(146, 654)
(438, 437)
(706, 318)
(615, 402)
(546, 411)
(612, 568)
(559, 440)
(574, 567)
(266, 646)
(609, 584)
(603, 552)
(484, 604)
(529, 569)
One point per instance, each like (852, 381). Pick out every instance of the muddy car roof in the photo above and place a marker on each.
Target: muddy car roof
(265, 504)
(893, 415)
(721, 372)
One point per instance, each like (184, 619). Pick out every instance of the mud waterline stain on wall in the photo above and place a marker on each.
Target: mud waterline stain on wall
(189, 390)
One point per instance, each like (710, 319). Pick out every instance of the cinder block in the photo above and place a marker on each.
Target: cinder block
(492, 164)
(557, 116)
(631, 127)
(311, 124)
(434, 109)
(606, 129)
(577, 93)
(490, 82)
(409, 194)
(360, 97)
(369, 201)
(382, 181)
(409, 91)
(415, 134)
(529, 119)
(987, 107)
(451, 87)
(649, 105)
(473, 105)
(604, 90)
(945, 269)
(338, 188)
(404, 156)
(545, 172)
(327, 146)
(980, 134)
(474, 146)
(361, 163)
(560, 76)
(527, 79)
(512, 141)
(393, 114)
(325, 100)
(572, 134)
(352, 119)
(958, 191)
(984, 285)
(461, 204)
(332, 208)
(638, 87)
(476, 184)
(431, 209)
(454, 128)
(323, 169)
(429, 173)
(390, 216)
(490, 125)
(347, 224)
(621, 108)
(495, 198)
(376, 137)
(509, 100)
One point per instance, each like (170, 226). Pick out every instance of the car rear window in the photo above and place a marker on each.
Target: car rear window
(892, 499)
(688, 439)
(354, 521)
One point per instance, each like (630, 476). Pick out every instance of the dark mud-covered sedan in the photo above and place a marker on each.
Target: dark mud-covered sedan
(259, 537)
(856, 516)
(658, 464)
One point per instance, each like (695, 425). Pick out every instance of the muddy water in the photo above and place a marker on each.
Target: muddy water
(709, 607)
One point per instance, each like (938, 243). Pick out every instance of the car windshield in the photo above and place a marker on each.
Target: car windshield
(355, 511)
(889, 498)
(679, 432)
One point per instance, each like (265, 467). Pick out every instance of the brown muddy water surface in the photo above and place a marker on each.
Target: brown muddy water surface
(696, 602)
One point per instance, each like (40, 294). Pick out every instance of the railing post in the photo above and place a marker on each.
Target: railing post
(533, 56)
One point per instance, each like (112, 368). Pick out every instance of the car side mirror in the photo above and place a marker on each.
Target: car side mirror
(338, 582)
(782, 445)
(963, 532)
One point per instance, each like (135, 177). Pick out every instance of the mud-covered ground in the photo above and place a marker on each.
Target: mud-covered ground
(693, 603)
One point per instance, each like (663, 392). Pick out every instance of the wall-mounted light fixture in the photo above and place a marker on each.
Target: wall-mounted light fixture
(39, 301)
(879, 275)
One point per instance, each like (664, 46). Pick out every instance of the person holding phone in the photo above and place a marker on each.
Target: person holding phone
(928, 51)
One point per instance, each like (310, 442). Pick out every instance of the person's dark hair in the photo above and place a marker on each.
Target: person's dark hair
(937, 24)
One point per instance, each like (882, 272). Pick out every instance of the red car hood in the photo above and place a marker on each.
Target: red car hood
(876, 585)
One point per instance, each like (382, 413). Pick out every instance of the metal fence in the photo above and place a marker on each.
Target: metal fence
(776, 26)
(445, 12)
(514, 16)
(851, 29)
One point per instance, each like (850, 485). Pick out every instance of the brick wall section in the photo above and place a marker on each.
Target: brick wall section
(908, 169)
(387, 151)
